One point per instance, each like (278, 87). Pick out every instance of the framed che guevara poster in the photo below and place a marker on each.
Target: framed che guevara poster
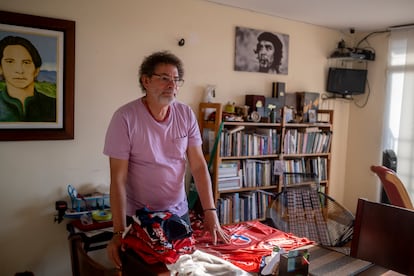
(261, 51)
(37, 68)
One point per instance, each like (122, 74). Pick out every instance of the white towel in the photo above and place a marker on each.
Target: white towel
(203, 264)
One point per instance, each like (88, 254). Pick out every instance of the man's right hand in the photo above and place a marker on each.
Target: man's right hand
(113, 248)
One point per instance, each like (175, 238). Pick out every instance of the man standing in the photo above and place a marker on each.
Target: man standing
(149, 142)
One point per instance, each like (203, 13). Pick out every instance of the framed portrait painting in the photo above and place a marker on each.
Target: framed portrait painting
(261, 51)
(37, 69)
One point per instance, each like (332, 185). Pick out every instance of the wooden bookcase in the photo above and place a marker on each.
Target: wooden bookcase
(251, 159)
(306, 148)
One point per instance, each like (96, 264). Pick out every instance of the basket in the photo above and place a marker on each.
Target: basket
(301, 209)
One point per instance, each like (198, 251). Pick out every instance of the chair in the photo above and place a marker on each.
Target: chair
(306, 212)
(393, 187)
(383, 235)
(85, 265)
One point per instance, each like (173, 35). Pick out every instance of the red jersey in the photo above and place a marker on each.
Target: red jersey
(250, 242)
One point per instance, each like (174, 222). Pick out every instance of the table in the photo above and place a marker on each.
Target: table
(327, 261)
(94, 236)
(132, 263)
(323, 261)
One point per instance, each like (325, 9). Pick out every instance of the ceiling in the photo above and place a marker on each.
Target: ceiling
(360, 15)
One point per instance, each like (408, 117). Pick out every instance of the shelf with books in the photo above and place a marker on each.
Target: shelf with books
(249, 140)
(243, 165)
(306, 148)
(316, 166)
(242, 206)
(250, 158)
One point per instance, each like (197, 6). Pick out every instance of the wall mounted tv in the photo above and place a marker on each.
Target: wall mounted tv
(346, 81)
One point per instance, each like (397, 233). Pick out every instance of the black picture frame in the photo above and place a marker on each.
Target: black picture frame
(64, 32)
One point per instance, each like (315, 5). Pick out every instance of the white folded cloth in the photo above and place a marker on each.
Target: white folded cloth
(203, 264)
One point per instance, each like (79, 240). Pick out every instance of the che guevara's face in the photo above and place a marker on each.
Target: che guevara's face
(265, 53)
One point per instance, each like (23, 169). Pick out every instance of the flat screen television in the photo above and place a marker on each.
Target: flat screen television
(346, 81)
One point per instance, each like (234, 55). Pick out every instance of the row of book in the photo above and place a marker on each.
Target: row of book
(311, 140)
(249, 142)
(250, 173)
(305, 169)
(239, 141)
(258, 173)
(247, 173)
(244, 206)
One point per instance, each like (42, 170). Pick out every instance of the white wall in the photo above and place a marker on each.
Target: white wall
(111, 40)
(365, 129)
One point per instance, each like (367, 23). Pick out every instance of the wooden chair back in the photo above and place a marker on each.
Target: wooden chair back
(383, 234)
(83, 264)
(393, 187)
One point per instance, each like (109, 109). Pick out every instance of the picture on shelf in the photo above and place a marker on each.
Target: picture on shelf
(279, 167)
(307, 101)
(312, 116)
(288, 114)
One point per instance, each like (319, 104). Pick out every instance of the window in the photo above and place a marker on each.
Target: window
(399, 122)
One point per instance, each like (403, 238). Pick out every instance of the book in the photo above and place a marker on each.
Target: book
(236, 208)
(228, 169)
(235, 129)
(208, 140)
(269, 140)
(229, 183)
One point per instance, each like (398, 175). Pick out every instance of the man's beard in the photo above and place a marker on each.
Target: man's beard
(265, 63)
(167, 99)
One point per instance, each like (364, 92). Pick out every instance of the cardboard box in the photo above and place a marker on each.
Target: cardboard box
(290, 100)
(294, 263)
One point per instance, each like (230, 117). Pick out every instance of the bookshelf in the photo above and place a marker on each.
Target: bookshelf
(306, 149)
(251, 159)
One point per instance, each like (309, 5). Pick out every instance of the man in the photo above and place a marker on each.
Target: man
(19, 100)
(269, 53)
(149, 141)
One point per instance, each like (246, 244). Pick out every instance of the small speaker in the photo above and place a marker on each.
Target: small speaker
(389, 159)
(278, 89)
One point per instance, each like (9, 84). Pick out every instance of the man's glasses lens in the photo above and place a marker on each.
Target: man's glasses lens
(166, 79)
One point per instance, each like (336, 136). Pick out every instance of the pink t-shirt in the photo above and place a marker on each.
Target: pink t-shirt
(156, 152)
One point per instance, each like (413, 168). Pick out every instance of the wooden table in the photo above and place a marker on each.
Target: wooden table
(133, 265)
(322, 260)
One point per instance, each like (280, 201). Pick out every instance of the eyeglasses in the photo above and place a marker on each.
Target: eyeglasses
(166, 80)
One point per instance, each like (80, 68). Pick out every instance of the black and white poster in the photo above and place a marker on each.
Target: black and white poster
(261, 51)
